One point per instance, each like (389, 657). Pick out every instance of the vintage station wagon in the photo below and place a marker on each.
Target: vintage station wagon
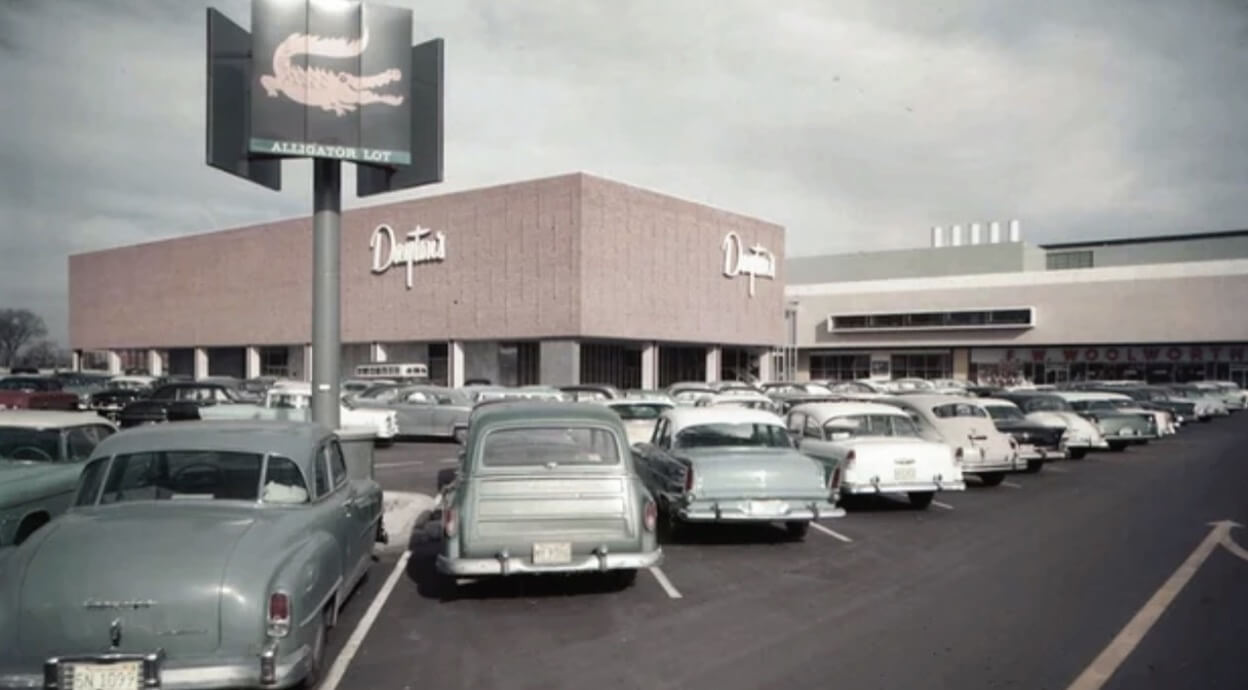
(546, 487)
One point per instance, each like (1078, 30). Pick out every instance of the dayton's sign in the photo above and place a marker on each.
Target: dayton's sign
(422, 245)
(756, 262)
(1144, 354)
(331, 80)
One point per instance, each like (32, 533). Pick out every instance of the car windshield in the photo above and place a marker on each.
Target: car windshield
(1004, 412)
(543, 445)
(20, 443)
(383, 392)
(634, 411)
(288, 400)
(872, 425)
(734, 434)
(179, 474)
(1047, 404)
(1086, 405)
(958, 410)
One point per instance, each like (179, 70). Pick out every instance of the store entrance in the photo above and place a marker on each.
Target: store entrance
(1240, 376)
(1056, 374)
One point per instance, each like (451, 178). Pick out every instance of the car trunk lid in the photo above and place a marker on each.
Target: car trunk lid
(111, 573)
(762, 473)
(586, 510)
(898, 459)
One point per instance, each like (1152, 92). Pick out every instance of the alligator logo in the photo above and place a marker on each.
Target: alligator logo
(337, 92)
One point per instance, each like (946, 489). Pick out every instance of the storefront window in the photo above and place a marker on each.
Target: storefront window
(922, 366)
(839, 367)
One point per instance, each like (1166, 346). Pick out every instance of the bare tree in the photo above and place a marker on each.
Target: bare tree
(43, 355)
(17, 328)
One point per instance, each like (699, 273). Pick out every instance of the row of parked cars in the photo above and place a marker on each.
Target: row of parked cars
(219, 553)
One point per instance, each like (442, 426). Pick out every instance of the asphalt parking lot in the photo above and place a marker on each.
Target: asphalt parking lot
(1047, 581)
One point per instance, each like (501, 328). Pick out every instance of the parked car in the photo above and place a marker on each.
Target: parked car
(877, 448)
(35, 393)
(1037, 442)
(592, 391)
(480, 394)
(546, 487)
(965, 425)
(1162, 420)
(83, 384)
(230, 549)
(859, 390)
(639, 415)
(111, 401)
(177, 401)
(732, 465)
(1228, 391)
(292, 401)
(689, 392)
(733, 387)
(1156, 397)
(1120, 428)
(1208, 404)
(42, 453)
(420, 410)
(787, 401)
(739, 398)
(799, 387)
(1046, 407)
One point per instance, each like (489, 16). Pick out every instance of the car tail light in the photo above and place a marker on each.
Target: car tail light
(688, 479)
(850, 457)
(957, 456)
(835, 482)
(1013, 444)
(650, 516)
(279, 614)
(450, 521)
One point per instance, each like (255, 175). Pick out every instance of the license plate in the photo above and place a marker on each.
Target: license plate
(1127, 432)
(119, 676)
(552, 553)
(905, 474)
(768, 507)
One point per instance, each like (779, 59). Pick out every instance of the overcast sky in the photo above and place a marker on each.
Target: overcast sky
(857, 124)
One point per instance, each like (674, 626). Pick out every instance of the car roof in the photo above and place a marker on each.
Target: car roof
(684, 417)
(48, 419)
(295, 440)
(652, 400)
(825, 410)
(997, 402)
(537, 410)
(1094, 395)
(928, 400)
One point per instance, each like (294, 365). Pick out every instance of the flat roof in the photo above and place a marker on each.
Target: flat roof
(1147, 240)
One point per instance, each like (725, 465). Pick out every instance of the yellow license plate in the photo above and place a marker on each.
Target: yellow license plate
(117, 676)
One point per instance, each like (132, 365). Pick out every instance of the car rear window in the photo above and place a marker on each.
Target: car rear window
(734, 435)
(958, 410)
(632, 411)
(183, 474)
(561, 445)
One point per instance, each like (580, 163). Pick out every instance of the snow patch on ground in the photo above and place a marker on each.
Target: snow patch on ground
(401, 510)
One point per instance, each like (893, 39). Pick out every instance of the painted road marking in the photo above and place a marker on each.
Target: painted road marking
(831, 533)
(1103, 667)
(938, 504)
(449, 461)
(1012, 485)
(1233, 547)
(366, 623)
(665, 583)
(1059, 470)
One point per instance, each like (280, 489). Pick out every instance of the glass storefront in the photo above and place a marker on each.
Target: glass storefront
(1057, 373)
(922, 366)
(839, 367)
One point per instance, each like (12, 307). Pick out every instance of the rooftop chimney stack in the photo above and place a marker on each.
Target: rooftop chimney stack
(994, 232)
(977, 234)
(955, 237)
(1016, 231)
(938, 236)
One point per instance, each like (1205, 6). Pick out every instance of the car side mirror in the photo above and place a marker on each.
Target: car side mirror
(460, 434)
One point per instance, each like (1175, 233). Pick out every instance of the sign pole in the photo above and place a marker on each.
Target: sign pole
(326, 321)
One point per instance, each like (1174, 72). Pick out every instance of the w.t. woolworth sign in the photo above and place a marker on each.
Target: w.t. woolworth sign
(422, 245)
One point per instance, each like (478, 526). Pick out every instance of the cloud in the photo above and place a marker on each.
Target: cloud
(857, 124)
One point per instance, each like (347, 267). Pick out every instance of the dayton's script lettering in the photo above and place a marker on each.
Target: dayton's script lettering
(421, 246)
(756, 262)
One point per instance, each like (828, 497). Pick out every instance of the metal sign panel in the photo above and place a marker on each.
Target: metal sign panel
(331, 80)
(426, 129)
(229, 70)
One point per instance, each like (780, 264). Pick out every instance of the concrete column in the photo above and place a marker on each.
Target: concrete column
(114, 362)
(559, 362)
(714, 362)
(377, 353)
(650, 366)
(75, 360)
(961, 363)
(455, 364)
(306, 374)
(201, 362)
(765, 361)
(252, 363)
(155, 367)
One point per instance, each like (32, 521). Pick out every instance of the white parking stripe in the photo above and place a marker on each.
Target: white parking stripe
(1012, 485)
(831, 533)
(938, 504)
(665, 583)
(366, 623)
(449, 461)
(411, 463)
(1059, 470)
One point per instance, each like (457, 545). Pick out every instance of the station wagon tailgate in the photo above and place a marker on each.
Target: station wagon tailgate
(512, 513)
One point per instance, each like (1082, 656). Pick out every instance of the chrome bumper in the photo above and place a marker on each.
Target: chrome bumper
(881, 487)
(506, 564)
(738, 510)
(1034, 453)
(160, 672)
